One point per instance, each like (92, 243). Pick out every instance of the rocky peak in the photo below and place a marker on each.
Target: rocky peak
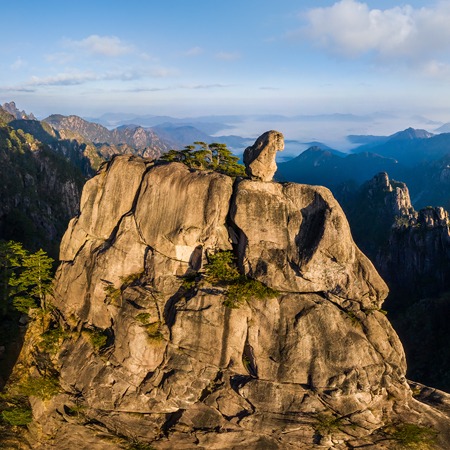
(433, 217)
(411, 133)
(90, 131)
(12, 109)
(259, 159)
(380, 182)
(179, 366)
(390, 195)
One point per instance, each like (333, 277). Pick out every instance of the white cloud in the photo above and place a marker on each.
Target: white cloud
(352, 29)
(205, 86)
(102, 45)
(63, 79)
(436, 69)
(74, 78)
(194, 51)
(228, 56)
(18, 64)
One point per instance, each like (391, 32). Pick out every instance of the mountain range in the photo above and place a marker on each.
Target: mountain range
(416, 157)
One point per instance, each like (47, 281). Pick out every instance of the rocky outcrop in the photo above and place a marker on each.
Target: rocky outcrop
(259, 159)
(411, 251)
(416, 261)
(12, 109)
(374, 208)
(316, 365)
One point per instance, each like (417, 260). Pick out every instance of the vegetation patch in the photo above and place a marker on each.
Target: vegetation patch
(369, 311)
(42, 387)
(353, 318)
(327, 423)
(97, 337)
(143, 318)
(51, 339)
(190, 281)
(14, 411)
(412, 436)
(114, 294)
(202, 156)
(26, 278)
(17, 416)
(153, 329)
(222, 270)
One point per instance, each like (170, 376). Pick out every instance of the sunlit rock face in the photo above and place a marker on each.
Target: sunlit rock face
(259, 159)
(179, 368)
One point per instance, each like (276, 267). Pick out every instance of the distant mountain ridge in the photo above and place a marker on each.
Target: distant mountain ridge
(132, 135)
(409, 147)
(319, 166)
(418, 157)
(12, 109)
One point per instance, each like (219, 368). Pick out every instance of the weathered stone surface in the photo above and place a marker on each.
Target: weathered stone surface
(296, 238)
(259, 159)
(180, 369)
(179, 210)
(105, 199)
(396, 199)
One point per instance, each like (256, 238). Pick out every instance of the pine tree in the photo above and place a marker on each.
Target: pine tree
(31, 281)
(215, 156)
(11, 256)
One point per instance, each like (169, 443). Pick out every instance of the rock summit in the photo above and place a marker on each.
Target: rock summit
(259, 159)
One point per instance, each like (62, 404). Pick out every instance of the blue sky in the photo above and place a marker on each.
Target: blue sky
(237, 57)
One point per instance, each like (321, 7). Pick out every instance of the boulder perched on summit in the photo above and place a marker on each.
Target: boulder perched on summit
(259, 159)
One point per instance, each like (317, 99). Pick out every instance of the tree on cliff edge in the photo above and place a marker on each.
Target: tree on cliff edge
(203, 156)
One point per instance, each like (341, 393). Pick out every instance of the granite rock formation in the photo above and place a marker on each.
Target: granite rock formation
(259, 159)
(316, 366)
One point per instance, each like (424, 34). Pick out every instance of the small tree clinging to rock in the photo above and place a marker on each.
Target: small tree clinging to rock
(203, 156)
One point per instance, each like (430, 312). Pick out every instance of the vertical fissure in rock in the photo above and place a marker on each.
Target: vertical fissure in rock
(249, 360)
(237, 236)
(312, 228)
(225, 336)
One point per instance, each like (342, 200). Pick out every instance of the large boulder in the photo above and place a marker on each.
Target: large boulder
(259, 159)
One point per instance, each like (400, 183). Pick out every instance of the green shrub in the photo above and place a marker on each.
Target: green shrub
(412, 436)
(144, 318)
(327, 423)
(115, 294)
(203, 156)
(97, 338)
(221, 269)
(244, 289)
(154, 331)
(353, 318)
(17, 416)
(190, 280)
(51, 339)
(42, 387)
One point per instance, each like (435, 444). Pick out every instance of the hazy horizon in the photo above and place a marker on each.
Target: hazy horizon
(198, 58)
